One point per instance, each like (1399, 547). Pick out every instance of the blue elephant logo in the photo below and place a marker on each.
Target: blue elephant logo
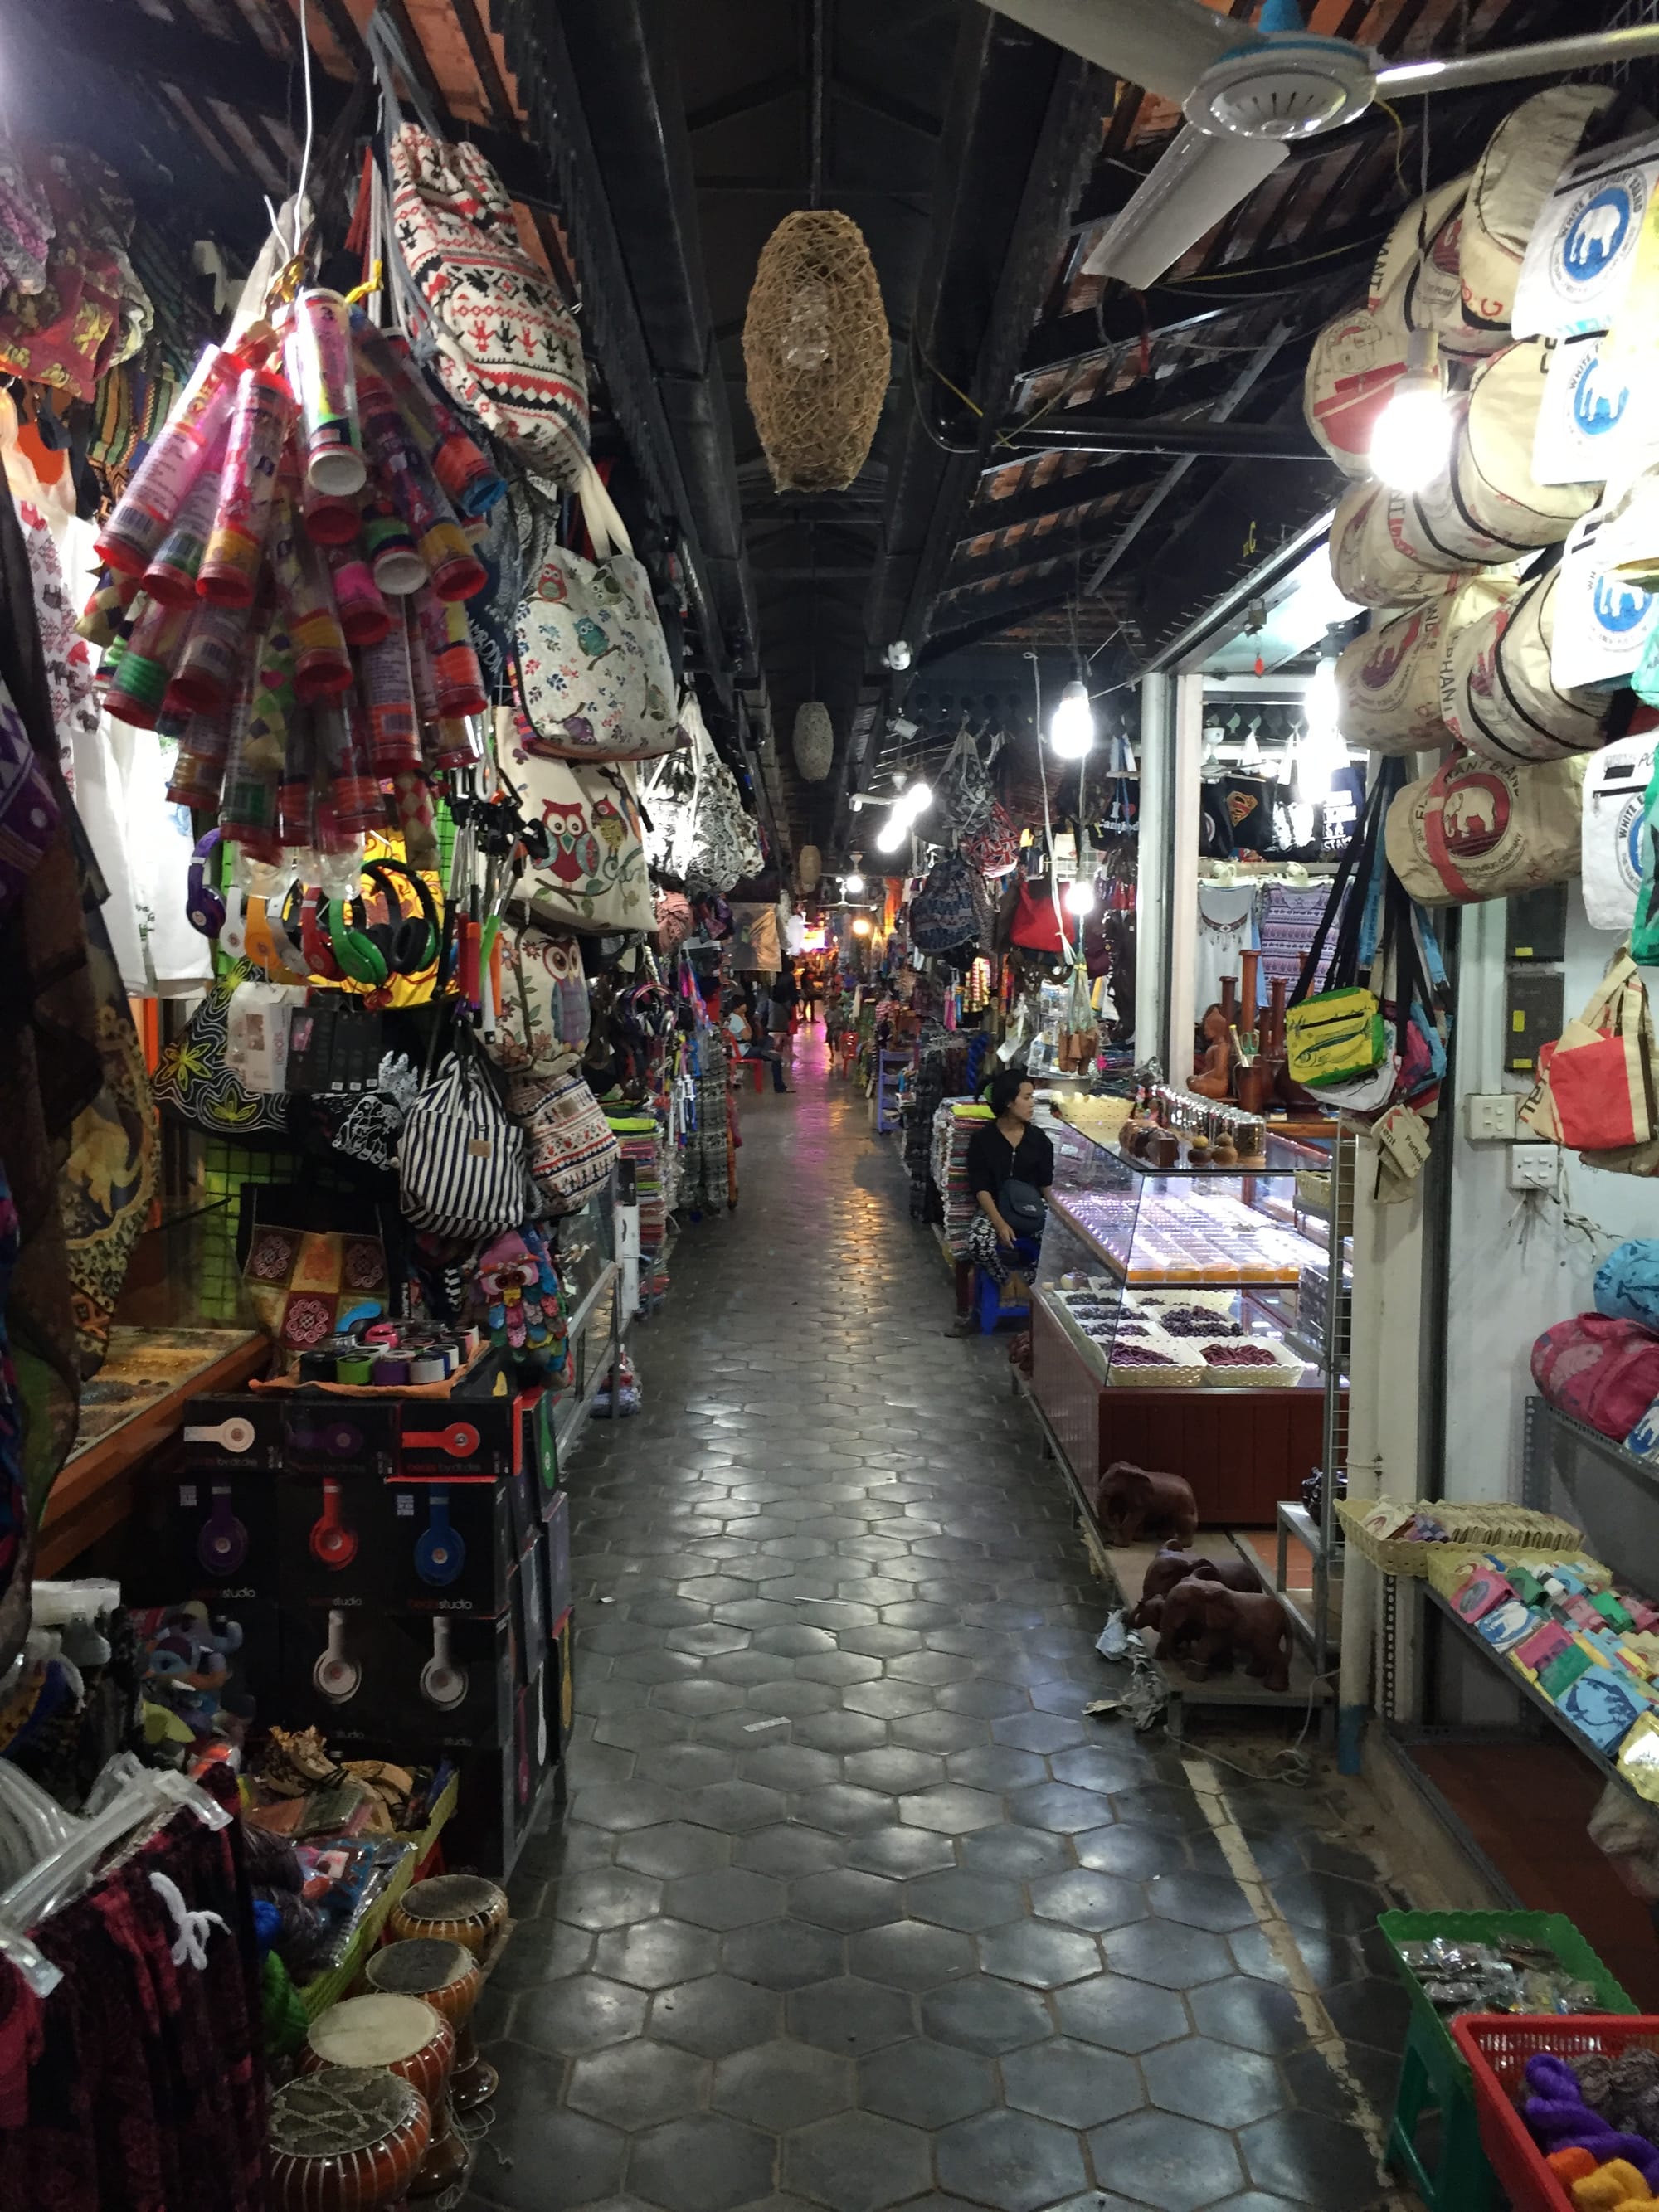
(1620, 606)
(1593, 410)
(1596, 233)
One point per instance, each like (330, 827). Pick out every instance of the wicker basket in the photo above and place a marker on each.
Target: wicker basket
(1283, 1375)
(1449, 1562)
(1487, 1527)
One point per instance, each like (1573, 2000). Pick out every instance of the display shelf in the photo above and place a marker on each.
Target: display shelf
(326, 1989)
(1529, 1691)
(1542, 1416)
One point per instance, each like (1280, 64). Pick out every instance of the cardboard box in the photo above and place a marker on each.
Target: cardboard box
(556, 1540)
(336, 1538)
(495, 1809)
(541, 1447)
(237, 1434)
(449, 1546)
(323, 1435)
(218, 1538)
(527, 1596)
(444, 1440)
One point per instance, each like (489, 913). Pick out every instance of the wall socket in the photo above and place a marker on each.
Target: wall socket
(1533, 1167)
(1490, 1119)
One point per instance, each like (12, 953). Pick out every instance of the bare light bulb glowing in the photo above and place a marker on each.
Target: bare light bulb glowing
(1071, 730)
(894, 832)
(918, 797)
(1410, 440)
(861, 928)
(851, 886)
(1079, 896)
(1323, 751)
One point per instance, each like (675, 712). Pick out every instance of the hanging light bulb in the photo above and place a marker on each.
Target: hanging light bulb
(1323, 751)
(851, 886)
(918, 798)
(894, 832)
(1079, 896)
(1410, 440)
(1072, 730)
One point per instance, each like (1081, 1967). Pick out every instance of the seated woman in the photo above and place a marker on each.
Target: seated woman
(751, 1039)
(1003, 1151)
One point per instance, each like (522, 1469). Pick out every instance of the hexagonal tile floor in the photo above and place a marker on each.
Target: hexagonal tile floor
(849, 1907)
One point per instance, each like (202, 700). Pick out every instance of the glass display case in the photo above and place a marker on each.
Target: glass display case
(589, 1272)
(1182, 1307)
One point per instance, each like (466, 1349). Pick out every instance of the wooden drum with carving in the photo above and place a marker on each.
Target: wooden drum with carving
(448, 1976)
(407, 2037)
(458, 1908)
(344, 2140)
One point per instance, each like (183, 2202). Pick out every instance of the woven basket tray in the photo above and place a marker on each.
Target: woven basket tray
(1178, 1377)
(1449, 1562)
(1487, 1527)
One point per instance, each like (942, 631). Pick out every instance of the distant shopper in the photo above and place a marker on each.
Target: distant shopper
(742, 1027)
(781, 1007)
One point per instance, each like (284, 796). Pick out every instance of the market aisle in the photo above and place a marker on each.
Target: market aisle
(850, 1904)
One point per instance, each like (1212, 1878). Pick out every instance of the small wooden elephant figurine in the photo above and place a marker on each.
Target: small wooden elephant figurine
(1132, 1504)
(1171, 1568)
(1208, 1625)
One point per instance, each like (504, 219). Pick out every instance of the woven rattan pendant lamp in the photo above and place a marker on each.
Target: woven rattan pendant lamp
(813, 741)
(815, 348)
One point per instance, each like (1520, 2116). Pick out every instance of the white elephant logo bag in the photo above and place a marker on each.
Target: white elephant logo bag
(595, 677)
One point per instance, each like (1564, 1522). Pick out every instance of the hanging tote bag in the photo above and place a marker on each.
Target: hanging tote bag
(595, 678)
(544, 1013)
(569, 1146)
(943, 914)
(194, 1083)
(1474, 831)
(963, 788)
(508, 348)
(1604, 620)
(1488, 507)
(993, 847)
(460, 1160)
(1595, 1089)
(1616, 782)
(1373, 560)
(1581, 252)
(1387, 682)
(1337, 1035)
(1497, 694)
(1512, 181)
(594, 877)
(1035, 925)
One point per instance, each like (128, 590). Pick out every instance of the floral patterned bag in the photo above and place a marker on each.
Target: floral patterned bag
(595, 678)
(544, 1008)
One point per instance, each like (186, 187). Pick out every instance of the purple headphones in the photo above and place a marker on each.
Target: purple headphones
(204, 908)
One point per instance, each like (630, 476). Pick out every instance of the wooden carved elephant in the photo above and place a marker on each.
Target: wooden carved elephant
(1171, 1568)
(1207, 1625)
(1131, 1503)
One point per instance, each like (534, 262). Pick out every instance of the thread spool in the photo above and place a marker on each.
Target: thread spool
(318, 356)
(171, 576)
(138, 522)
(140, 678)
(364, 615)
(247, 485)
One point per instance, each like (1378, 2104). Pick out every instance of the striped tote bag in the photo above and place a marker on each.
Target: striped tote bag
(571, 1147)
(460, 1160)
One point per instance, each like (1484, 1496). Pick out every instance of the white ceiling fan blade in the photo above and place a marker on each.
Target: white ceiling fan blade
(1164, 45)
(1593, 49)
(1198, 181)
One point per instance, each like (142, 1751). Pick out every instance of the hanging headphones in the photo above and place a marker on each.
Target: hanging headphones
(204, 910)
(409, 942)
(355, 949)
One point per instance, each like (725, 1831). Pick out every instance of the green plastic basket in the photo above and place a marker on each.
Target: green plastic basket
(1552, 1929)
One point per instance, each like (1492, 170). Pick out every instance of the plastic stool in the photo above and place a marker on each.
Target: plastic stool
(987, 1296)
(1434, 2083)
(755, 1071)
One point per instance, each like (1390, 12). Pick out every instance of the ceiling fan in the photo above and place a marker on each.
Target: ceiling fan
(1245, 92)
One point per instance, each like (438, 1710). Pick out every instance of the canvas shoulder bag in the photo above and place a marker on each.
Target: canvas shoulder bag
(1596, 1084)
(963, 785)
(1497, 695)
(570, 1148)
(1338, 1034)
(508, 347)
(596, 678)
(1388, 681)
(1474, 831)
(460, 1160)
(544, 1013)
(594, 877)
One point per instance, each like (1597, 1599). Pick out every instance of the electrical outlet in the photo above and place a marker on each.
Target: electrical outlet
(1532, 1167)
(1490, 1119)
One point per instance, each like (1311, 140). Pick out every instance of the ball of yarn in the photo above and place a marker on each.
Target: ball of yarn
(1594, 2073)
(1609, 2187)
(1572, 2165)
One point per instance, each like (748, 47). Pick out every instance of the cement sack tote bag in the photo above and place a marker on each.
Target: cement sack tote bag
(1603, 621)
(544, 1014)
(1583, 248)
(1387, 682)
(1601, 1371)
(595, 678)
(1373, 562)
(594, 878)
(1616, 783)
(1354, 365)
(942, 914)
(963, 788)
(1627, 1283)
(460, 1160)
(569, 1146)
(1337, 1035)
(508, 347)
(1512, 181)
(1488, 507)
(1475, 832)
(1595, 1089)
(1588, 429)
(1496, 694)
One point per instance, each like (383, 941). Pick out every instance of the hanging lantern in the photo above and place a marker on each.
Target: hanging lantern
(814, 741)
(809, 866)
(817, 351)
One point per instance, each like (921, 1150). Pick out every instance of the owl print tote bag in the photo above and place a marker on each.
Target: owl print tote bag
(594, 877)
(595, 676)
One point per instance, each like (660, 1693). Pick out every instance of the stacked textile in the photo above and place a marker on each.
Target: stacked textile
(941, 1074)
(954, 1125)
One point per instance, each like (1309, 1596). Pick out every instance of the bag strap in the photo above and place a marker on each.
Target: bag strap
(606, 527)
(386, 46)
(1341, 909)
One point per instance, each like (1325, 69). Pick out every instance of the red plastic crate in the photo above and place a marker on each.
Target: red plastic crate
(1496, 2046)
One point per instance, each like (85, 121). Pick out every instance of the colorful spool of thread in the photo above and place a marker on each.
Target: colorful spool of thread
(128, 540)
(455, 570)
(364, 615)
(322, 372)
(247, 485)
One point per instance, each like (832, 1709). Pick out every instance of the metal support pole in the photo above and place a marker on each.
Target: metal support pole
(1153, 881)
(1182, 899)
